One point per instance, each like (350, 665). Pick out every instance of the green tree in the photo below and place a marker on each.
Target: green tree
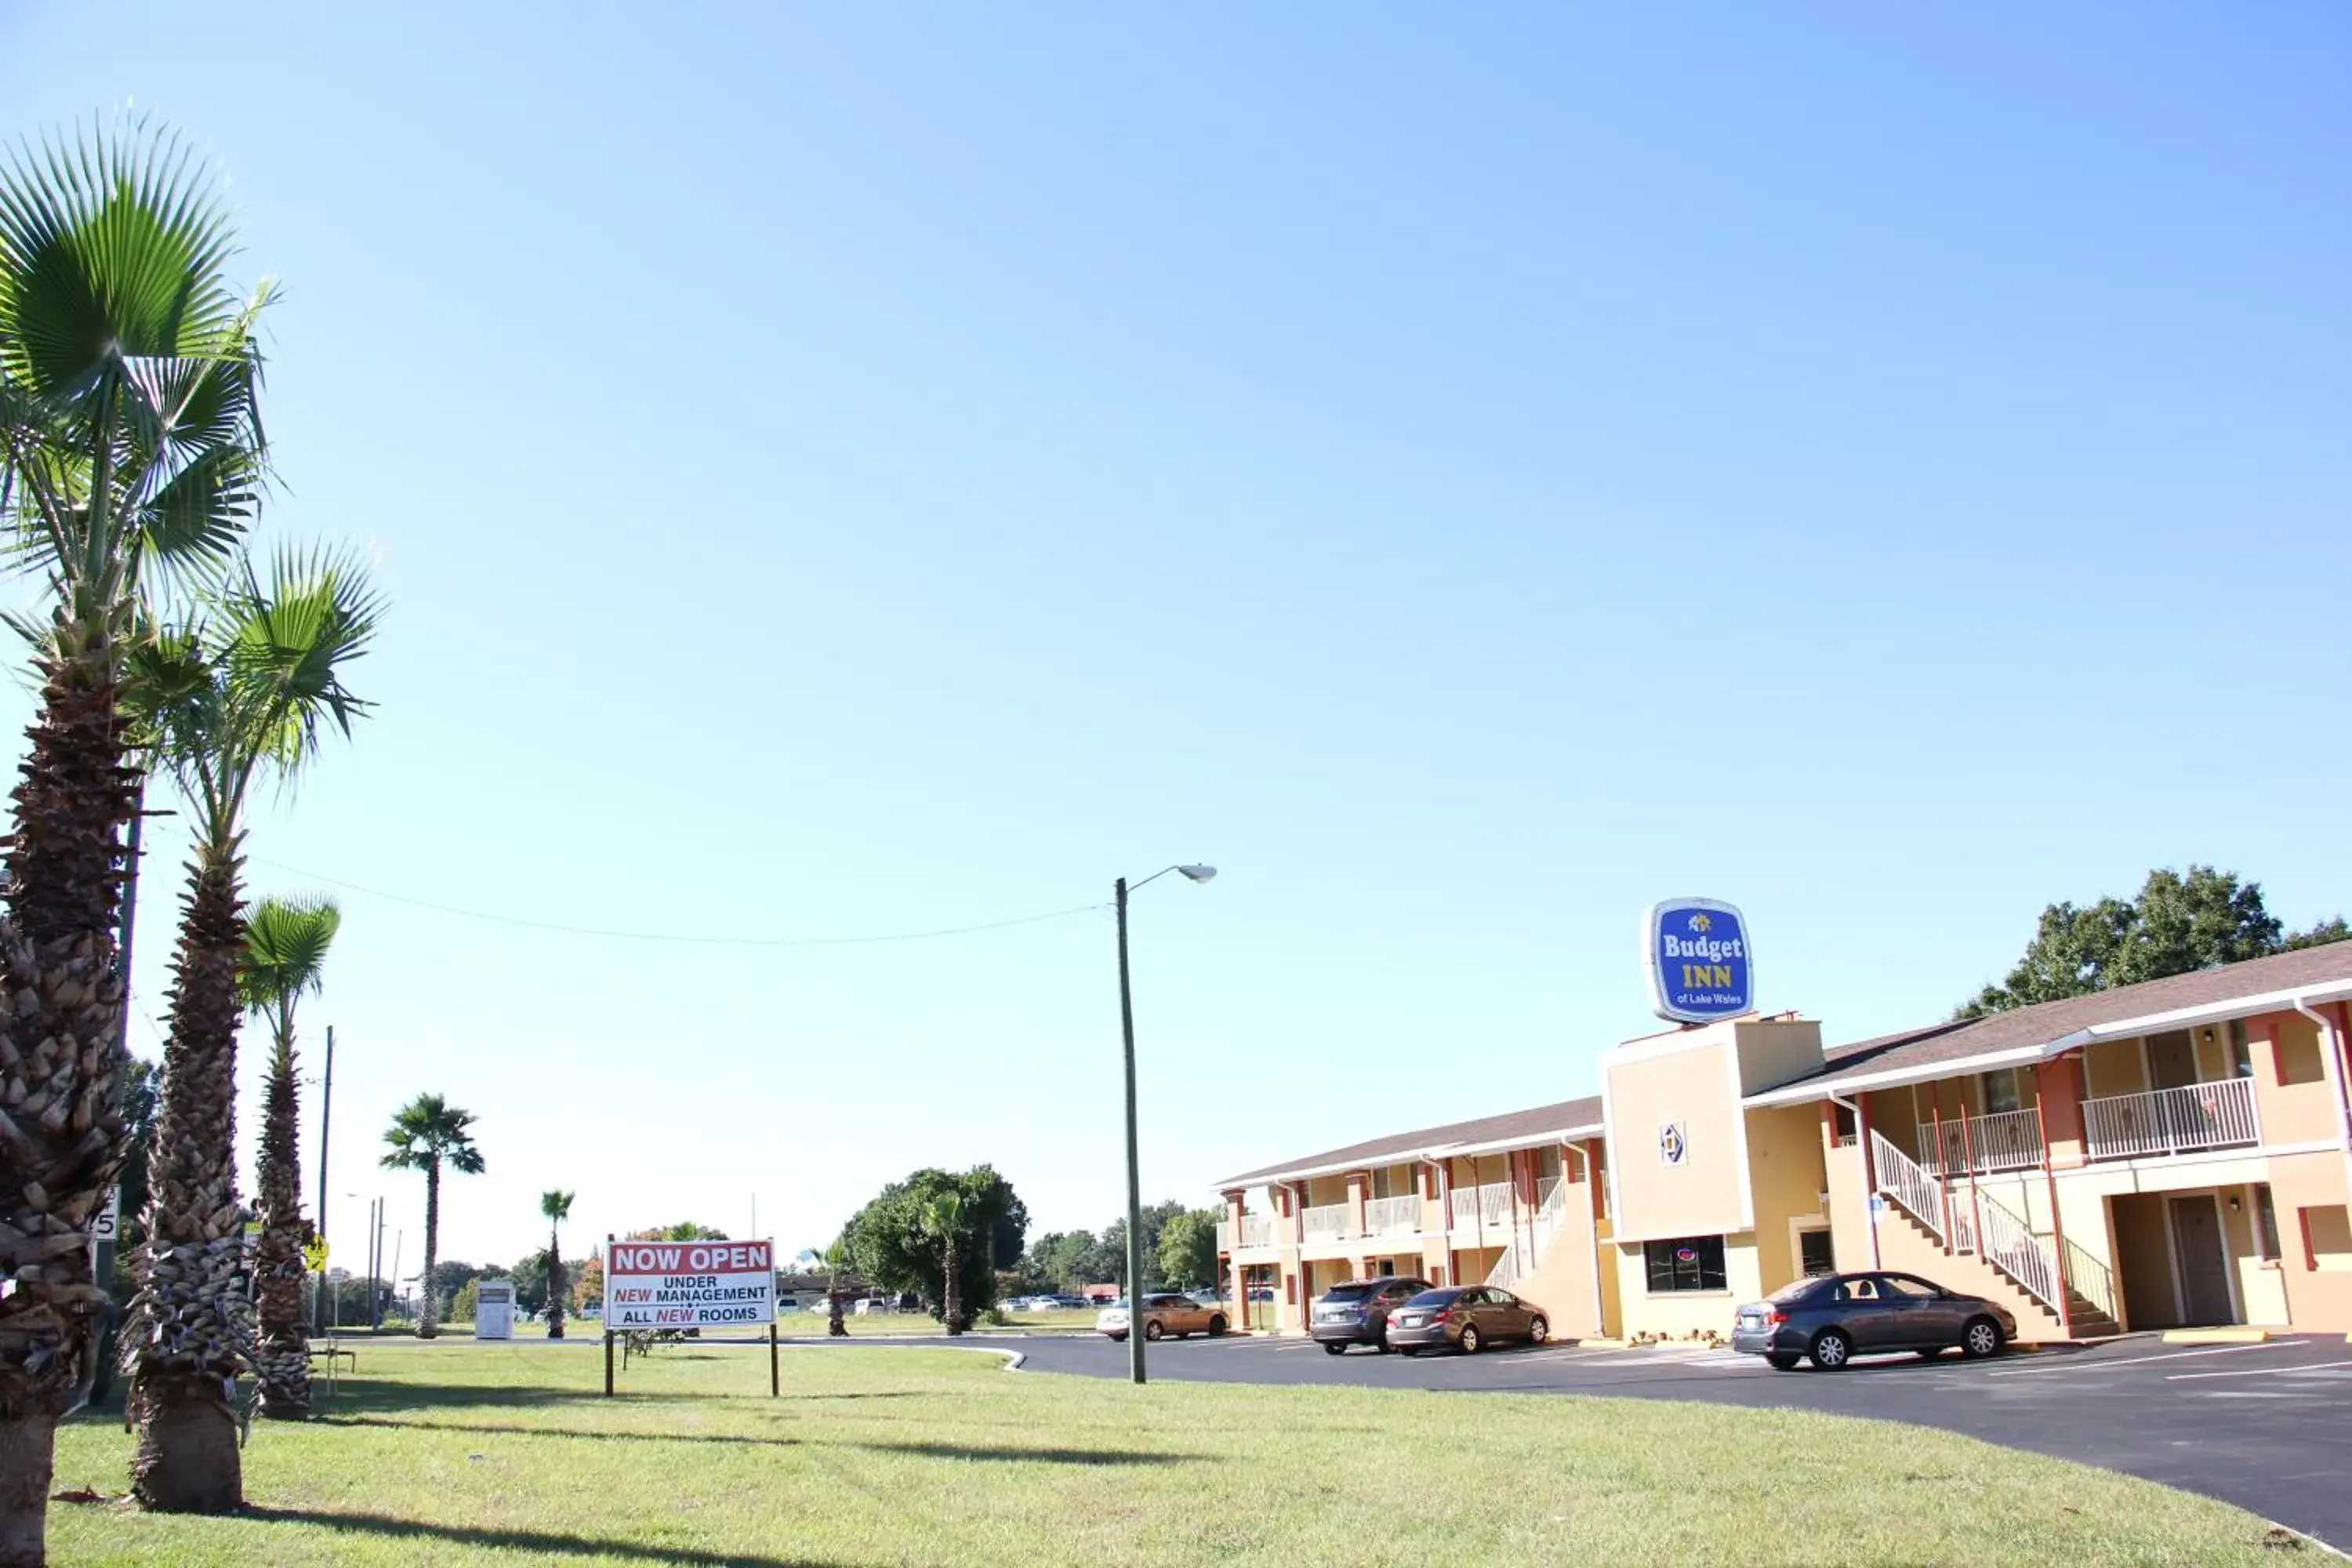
(286, 944)
(244, 694)
(530, 1277)
(130, 448)
(1188, 1248)
(556, 1206)
(425, 1134)
(2178, 924)
(890, 1243)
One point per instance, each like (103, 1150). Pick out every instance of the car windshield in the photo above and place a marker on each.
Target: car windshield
(1434, 1298)
(1796, 1291)
(1346, 1292)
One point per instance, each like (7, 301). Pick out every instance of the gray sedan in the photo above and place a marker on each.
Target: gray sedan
(1838, 1316)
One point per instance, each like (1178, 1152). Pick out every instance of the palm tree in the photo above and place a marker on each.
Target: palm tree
(424, 1134)
(837, 1263)
(244, 692)
(129, 445)
(285, 947)
(943, 1220)
(556, 1206)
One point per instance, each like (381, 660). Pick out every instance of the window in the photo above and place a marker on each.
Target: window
(2266, 1236)
(1847, 1133)
(1814, 1257)
(2328, 1237)
(2242, 1061)
(1902, 1287)
(1862, 1290)
(2000, 1090)
(1691, 1263)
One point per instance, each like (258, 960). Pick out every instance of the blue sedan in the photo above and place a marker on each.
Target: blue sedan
(1837, 1317)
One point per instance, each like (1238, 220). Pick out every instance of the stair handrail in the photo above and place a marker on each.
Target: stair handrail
(2091, 1279)
(1903, 1179)
(2010, 1245)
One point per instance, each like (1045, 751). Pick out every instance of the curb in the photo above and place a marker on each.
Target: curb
(2239, 1336)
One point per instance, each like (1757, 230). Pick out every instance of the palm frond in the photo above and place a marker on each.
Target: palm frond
(285, 943)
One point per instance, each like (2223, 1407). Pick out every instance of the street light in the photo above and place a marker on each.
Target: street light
(1194, 873)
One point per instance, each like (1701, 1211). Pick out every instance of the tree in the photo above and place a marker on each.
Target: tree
(245, 692)
(1188, 1248)
(943, 1223)
(530, 1277)
(557, 1207)
(836, 1264)
(588, 1282)
(285, 947)
(890, 1242)
(2176, 925)
(448, 1277)
(130, 448)
(426, 1133)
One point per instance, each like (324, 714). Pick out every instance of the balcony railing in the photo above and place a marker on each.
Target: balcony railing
(2004, 1140)
(1482, 1208)
(2215, 1115)
(1392, 1216)
(1258, 1230)
(1325, 1224)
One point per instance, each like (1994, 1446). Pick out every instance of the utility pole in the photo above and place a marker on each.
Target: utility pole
(1134, 1173)
(326, 1109)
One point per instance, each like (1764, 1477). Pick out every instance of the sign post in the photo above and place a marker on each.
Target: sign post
(1700, 963)
(652, 1287)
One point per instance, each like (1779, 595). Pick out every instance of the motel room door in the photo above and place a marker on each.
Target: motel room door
(2204, 1268)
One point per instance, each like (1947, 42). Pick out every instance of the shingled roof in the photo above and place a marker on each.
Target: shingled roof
(1513, 1126)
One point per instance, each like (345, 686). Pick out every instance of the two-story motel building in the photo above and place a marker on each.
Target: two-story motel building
(2178, 1152)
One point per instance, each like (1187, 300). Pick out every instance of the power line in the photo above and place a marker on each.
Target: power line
(516, 920)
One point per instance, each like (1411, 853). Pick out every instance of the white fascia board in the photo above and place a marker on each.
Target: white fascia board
(1925, 1072)
(1402, 1156)
(1524, 1140)
(2216, 1012)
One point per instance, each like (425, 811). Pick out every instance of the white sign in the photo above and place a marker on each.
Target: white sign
(108, 1226)
(689, 1284)
(494, 1309)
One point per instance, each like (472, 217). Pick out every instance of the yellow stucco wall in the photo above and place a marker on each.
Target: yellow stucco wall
(1681, 1313)
(1786, 1174)
(2114, 1067)
(1694, 1088)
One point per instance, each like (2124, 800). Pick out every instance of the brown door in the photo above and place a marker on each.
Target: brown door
(2197, 1253)
(2171, 1061)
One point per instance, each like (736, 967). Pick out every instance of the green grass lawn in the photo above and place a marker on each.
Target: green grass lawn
(471, 1453)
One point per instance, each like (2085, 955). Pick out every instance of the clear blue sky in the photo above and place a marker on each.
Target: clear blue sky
(843, 470)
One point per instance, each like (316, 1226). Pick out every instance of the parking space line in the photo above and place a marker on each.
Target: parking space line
(2256, 1372)
(2113, 1364)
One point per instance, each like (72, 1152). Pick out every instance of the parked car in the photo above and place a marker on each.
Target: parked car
(1836, 1317)
(1467, 1317)
(1068, 1303)
(1261, 1293)
(1357, 1312)
(1164, 1312)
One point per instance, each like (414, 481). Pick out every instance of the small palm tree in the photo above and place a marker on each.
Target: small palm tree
(944, 1222)
(286, 944)
(247, 691)
(130, 450)
(557, 1207)
(836, 1264)
(425, 1134)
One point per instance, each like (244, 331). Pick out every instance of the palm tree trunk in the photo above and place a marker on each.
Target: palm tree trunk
(834, 1327)
(428, 1320)
(554, 1287)
(953, 1304)
(189, 1328)
(282, 1364)
(61, 1135)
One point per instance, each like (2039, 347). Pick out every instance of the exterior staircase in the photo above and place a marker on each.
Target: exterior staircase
(2006, 1263)
(1525, 1252)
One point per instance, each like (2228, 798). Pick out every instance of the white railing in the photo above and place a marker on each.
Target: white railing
(1325, 1223)
(2010, 1245)
(2004, 1140)
(1487, 1209)
(1901, 1178)
(1392, 1216)
(1258, 1230)
(2091, 1280)
(2215, 1115)
(1522, 1256)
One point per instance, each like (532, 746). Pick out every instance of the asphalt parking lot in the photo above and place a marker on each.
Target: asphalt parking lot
(2266, 1427)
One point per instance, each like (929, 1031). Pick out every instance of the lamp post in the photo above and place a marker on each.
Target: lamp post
(1134, 1175)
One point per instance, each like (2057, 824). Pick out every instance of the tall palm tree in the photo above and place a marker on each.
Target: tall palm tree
(556, 1204)
(943, 1220)
(286, 944)
(426, 1133)
(130, 452)
(246, 692)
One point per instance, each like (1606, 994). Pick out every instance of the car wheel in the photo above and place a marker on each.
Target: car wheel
(1782, 1361)
(1981, 1338)
(1469, 1341)
(1334, 1347)
(1216, 1327)
(1117, 1338)
(1152, 1331)
(1832, 1350)
(1381, 1344)
(1408, 1351)
(1539, 1330)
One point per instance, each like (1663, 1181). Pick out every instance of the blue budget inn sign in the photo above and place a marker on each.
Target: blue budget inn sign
(1700, 965)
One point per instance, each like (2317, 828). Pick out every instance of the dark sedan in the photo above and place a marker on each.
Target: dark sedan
(1838, 1316)
(1357, 1312)
(1467, 1317)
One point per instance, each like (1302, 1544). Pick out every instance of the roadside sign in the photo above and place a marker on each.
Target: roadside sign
(689, 1285)
(108, 1227)
(1700, 966)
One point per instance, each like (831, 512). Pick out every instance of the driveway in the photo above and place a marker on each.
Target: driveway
(2265, 1426)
